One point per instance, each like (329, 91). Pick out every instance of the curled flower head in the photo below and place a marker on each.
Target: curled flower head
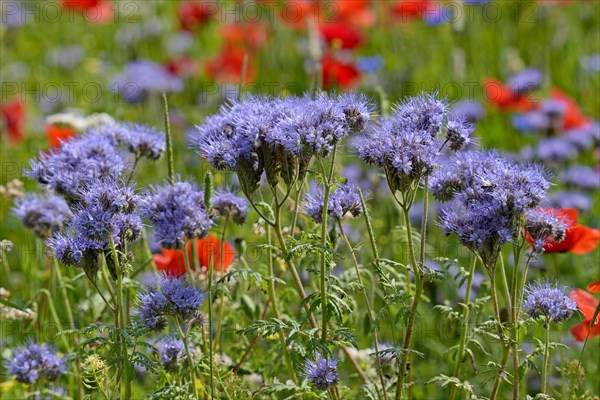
(43, 214)
(405, 144)
(549, 301)
(226, 203)
(544, 225)
(342, 200)
(172, 353)
(458, 134)
(78, 163)
(177, 212)
(177, 297)
(322, 373)
(140, 140)
(34, 362)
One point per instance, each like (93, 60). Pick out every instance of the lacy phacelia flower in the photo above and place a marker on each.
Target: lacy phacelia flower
(43, 214)
(277, 136)
(405, 145)
(172, 353)
(78, 163)
(544, 225)
(176, 297)
(342, 200)
(140, 140)
(458, 134)
(549, 301)
(228, 204)
(489, 196)
(322, 373)
(579, 239)
(177, 213)
(142, 77)
(35, 362)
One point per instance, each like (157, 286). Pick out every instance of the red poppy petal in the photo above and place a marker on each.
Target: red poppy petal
(580, 331)
(594, 287)
(585, 302)
(585, 239)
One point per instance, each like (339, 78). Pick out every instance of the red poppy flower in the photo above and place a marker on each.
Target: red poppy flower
(499, 94)
(587, 304)
(342, 33)
(338, 73)
(57, 134)
(100, 11)
(13, 114)
(209, 253)
(354, 12)
(193, 14)
(579, 239)
(227, 66)
(594, 287)
(573, 117)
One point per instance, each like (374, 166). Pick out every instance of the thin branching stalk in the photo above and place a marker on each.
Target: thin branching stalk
(65, 295)
(183, 338)
(546, 355)
(211, 266)
(221, 293)
(464, 328)
(505, 349)
(120, 320)
(413, 309)
(369, 309)
(324, 269)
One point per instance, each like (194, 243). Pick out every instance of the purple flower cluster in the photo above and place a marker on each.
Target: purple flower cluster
(406, 145)
(543, 225)
(581, 176)
(34, 362)
(140, 140)
(277, 136)
(172, 353)
(177, 212)
(106, 209)
(226, 203)
(78, 163)
(322, 373)
(176, 297)
(489, 195)
(342, 200)
(43, 214)
(549, 301)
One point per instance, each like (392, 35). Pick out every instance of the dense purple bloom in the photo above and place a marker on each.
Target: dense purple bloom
(35, 362)
(228, 204)
(549, 301)
(172, 353)
(584, 138)
(458, 134)
(177, 213)
(43, 214)
(139, 78)
(405, 145)
(489, 195)
(581, 176)
(277, 136)
(543, 225)
(78, 163)
(467, 109)
(322, 373)
(556, 150)
(176, 297)
(342, 200)
(534, 121)
(141, 140)
(525, 80)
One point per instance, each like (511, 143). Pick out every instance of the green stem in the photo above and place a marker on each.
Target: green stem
(221, 293)
(271, 289)
(369, 310)
(170, 163)
(505, 352)
(464, 328)
(120, 320)
(376, 256)
(211, 266)
(189, 357)
(546, 345)
(64, 293)
(414, 307)
(55, 316)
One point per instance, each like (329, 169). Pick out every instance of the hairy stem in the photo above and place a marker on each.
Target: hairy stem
(546, 345)
(183, 338)
(170, 163)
